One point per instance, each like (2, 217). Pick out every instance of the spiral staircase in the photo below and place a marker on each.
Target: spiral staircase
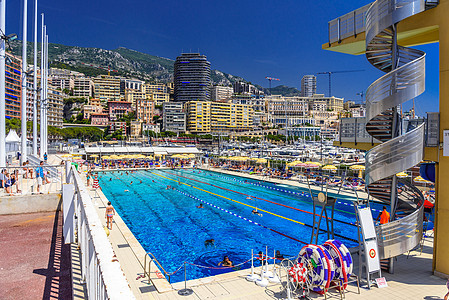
(403, 81)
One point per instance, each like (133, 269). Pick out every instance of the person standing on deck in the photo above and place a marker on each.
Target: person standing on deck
(39, 176)
(384, 216)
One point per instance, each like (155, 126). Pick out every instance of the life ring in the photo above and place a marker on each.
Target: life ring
(339, 263)
(317, 261)
(298, 273)
(346, 255)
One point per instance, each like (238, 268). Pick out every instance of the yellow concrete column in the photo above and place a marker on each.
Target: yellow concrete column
(441, 246)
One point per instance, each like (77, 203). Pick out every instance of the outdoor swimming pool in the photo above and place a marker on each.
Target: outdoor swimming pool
(168, 223)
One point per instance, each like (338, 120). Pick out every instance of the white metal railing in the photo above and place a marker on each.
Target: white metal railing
(100, 269)
(350, 24)
(25, 182)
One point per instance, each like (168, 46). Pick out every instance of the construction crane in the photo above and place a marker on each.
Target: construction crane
(270, 79)
(334, 72)
(100, 67)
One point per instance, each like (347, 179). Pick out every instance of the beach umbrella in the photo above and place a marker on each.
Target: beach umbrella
(330, 167)
(402, 174)
(115, 157)
(294, 163)
(150, 157)
(94, 155)
(420, 179)
(191, 155)
(66, 155)
(261, 161)
(106, 157)
(357, 167)
(313, 163)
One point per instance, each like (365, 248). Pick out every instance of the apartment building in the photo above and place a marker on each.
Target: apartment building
(117, 109)
(144, 109)
(83, 87)
(62, 82)
(88, 110)
(100, 119)
(55, 107)
(203, 117)
(198, 116)
(221, 93)
(150, 88)
(13, 86)
(174, 117)
(133, 95)
(107, 88)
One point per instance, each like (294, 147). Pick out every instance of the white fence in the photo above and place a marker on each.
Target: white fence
(100, 269)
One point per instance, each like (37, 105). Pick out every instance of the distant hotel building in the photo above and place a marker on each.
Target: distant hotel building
(192, 78)
(308, 85)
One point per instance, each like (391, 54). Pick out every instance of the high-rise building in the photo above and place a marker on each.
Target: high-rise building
(192, 78)
(308, 85)
(174, 117)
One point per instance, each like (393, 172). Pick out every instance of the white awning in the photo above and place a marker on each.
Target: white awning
(12, 137)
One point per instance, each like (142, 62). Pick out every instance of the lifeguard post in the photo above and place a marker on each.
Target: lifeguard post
(386, 31)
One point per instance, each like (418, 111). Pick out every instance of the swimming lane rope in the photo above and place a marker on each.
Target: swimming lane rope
(279, 189)
(238, 216)
(259, 209)
(269, 201)
(200, 189)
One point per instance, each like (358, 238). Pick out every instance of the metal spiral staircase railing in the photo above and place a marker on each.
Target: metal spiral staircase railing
(403, 81)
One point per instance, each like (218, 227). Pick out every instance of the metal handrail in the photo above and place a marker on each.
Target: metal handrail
(349, 24)
(153, 258)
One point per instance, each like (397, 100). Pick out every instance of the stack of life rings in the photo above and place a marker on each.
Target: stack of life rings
(320, 265)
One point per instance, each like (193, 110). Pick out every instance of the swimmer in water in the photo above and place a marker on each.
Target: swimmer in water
(110, 179)
(209, 242)
(141, 181)
(126, 190)
(131, 182)
(255, 212)
(153, 180)
(200, 206)
(226, 262)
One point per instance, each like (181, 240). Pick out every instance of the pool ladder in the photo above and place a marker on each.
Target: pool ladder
(151, 259)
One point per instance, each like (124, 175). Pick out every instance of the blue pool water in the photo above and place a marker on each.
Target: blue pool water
(168, 223)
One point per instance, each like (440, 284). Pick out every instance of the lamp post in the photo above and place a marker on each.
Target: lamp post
(2, 85)
(23, 104)
(35, 83)
(41, 135)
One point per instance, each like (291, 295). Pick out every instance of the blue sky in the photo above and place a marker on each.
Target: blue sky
(248, 38)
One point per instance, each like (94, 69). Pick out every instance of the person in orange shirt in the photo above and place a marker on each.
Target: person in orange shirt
(384, 216)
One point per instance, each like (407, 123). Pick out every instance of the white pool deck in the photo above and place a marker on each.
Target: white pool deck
(413, 278)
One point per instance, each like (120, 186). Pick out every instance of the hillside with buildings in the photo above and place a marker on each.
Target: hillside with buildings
(127, 94)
